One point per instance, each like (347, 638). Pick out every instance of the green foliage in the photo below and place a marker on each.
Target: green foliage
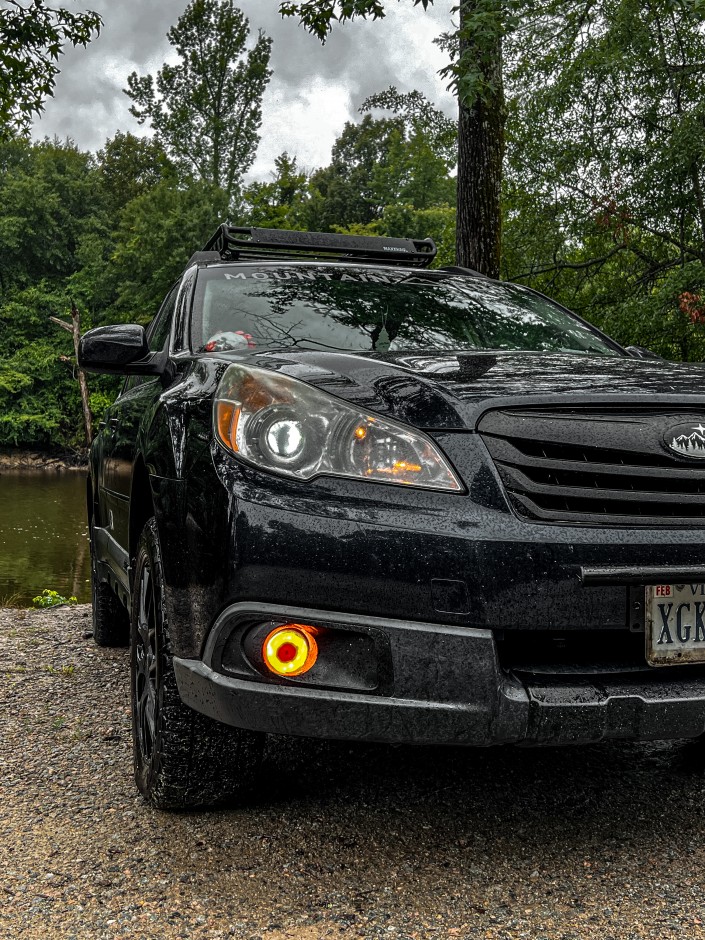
(157, 234)
(32, 37)
(362, 177)
(99, 402)
(420, 117)
(51, 202)
(53, 599)
(406, 159)
(38, 403)
(48, 194)
(129, 167)
(279, 203)
(318, 16)
(605, 182)
(404, 221)
(207, 109)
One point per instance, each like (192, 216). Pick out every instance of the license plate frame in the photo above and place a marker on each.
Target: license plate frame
(675, 624)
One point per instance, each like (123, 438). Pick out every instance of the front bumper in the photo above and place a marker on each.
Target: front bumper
(447, 688)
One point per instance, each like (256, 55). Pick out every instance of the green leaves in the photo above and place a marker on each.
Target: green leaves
(157, 234)
(420, 117)
(281, 202)
(32, 37)
(318, 16)
(50, 598)
(206, 110)
(606, 173)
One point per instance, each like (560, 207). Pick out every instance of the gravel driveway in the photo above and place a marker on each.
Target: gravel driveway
(340, 841)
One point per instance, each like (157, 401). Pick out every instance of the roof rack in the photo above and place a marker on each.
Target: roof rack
(264, 244)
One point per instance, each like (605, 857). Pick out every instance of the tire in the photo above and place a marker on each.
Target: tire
(182, 759)
(111, 623)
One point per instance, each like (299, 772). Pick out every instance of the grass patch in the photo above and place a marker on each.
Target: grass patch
(67, 671)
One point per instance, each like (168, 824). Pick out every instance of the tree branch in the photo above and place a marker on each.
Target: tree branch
(572, 266)
(62, 324)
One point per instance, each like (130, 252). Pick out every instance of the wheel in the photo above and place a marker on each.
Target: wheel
(182, 758)
(111, 622)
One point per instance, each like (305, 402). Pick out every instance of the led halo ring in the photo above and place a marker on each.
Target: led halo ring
(290, 650)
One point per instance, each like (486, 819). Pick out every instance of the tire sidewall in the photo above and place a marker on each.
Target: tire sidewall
(148, 555)
(94, 577)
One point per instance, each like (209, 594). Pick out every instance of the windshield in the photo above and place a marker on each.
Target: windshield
(363, 309)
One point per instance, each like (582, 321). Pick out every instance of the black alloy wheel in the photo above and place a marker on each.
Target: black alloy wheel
(144, 674)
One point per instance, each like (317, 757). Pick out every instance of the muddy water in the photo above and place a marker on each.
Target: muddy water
(43, 535)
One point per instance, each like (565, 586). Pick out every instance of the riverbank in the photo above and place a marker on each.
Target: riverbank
(20, 460)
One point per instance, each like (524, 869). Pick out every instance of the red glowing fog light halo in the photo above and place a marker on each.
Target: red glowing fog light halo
(290, 649)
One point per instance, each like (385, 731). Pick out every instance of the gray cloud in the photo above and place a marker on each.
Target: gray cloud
(314, 91)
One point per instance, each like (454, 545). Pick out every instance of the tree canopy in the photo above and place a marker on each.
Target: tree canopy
(32, 38)
(206, 110)
(602, 199)
(605, 205)
(318, 17)
(475, 72)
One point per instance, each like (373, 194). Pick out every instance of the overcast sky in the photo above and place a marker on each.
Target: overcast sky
(313, 92)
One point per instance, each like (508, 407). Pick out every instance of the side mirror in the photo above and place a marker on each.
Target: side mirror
(119, 350)
(641, 352)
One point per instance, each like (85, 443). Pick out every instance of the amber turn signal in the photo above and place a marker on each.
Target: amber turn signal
(227, 419)
(290, 650)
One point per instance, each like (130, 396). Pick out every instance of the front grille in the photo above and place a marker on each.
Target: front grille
(595, 467)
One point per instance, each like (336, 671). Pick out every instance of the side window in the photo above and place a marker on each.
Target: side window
(158, 329)
(157, 333)
(182, 311)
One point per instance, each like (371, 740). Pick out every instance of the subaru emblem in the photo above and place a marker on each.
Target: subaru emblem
(686, 440)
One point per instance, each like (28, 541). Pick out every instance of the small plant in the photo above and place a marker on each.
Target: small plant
(52, 599)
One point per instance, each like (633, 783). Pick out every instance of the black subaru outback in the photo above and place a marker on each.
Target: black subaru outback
(343, 495)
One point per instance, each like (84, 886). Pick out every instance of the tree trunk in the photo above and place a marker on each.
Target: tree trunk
(481, 157)
(83, 385)
(75, 329)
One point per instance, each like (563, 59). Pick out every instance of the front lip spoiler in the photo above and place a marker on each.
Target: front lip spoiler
(318, 713)
(556, 714)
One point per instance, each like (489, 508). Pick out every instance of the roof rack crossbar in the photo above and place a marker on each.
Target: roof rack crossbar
(236, 243)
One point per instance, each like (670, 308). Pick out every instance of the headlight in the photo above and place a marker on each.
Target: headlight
(281, 424)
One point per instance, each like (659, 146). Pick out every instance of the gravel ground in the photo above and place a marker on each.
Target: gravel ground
(604, 842)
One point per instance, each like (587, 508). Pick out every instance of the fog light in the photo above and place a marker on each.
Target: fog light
(290, 650)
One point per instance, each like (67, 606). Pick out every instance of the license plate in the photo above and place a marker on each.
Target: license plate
(675, 624)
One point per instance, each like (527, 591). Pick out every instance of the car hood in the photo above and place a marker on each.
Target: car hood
(442, 391)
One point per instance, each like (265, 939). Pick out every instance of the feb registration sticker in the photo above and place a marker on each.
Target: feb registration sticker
(675, 624)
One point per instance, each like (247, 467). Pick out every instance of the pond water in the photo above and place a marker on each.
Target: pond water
(43, 535)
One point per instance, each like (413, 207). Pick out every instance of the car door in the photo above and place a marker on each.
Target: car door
(122, 421)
